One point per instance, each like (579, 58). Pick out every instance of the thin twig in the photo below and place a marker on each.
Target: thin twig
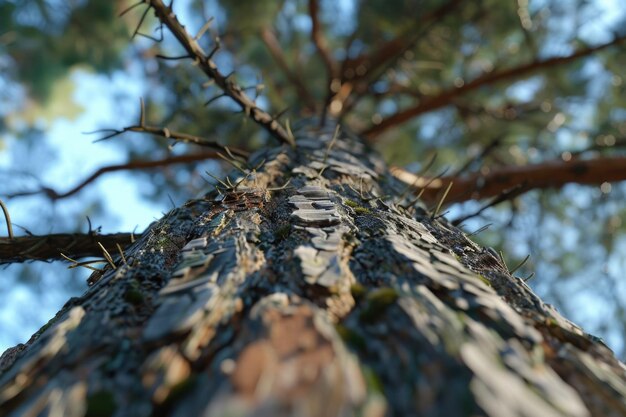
(446, 97)
(491, 146)
(135, 165)
(169, 134)
(375, 64)
(273, 46)
(203, 29)
(502, 259)
(480, 229)
(506, 195)
(282, 187)
(172, 58)
(121, 251)
(76, 264)
(319, 40)
(230, 88)
(7, 218)
(433, 179)
(143, 17)
(440, 203)
(107, 256)
(424, 188)
(520, 264)
(129, 8)
(141, 20)
(418, 176)
(328, 149)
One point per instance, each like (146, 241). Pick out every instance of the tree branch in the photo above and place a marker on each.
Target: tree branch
(49, 247)
(319, 40)
(505, 195)
(167, 17)
(552, 174)
(170, 134)
(273, 46)
(394, 48)
(332, 78)
(364, 70)
(486, 150)
(55, 195)
(446, 97)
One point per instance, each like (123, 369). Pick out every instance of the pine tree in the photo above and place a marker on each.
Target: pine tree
(310, 281)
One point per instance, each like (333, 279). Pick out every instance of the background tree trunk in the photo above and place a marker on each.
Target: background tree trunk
(306, 288)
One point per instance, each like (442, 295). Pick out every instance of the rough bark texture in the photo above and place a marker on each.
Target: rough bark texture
(322, 298)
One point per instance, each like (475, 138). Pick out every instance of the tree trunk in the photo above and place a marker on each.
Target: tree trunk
(305, 287)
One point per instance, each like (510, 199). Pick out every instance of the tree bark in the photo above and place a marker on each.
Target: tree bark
(324, 297)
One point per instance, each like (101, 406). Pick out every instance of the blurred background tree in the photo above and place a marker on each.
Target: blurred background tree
(440, 87)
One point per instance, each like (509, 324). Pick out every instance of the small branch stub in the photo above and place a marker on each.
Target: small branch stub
(7, 218)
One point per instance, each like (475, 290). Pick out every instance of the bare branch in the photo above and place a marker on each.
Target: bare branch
(364, 70)
(446, 97)
(270, 41)
(441, 200)
(143, 17)
(134, 165)
(364, 65)
(319, 40)
(333, 82)
(49, 247)
(140, 23)
(129, 8)
(172, 58)
(489, 148)
(203, 29)
(170, 134)
(553, 174)
(230, 88)
(505, 195)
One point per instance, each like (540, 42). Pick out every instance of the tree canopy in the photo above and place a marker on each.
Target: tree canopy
(518, 105)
